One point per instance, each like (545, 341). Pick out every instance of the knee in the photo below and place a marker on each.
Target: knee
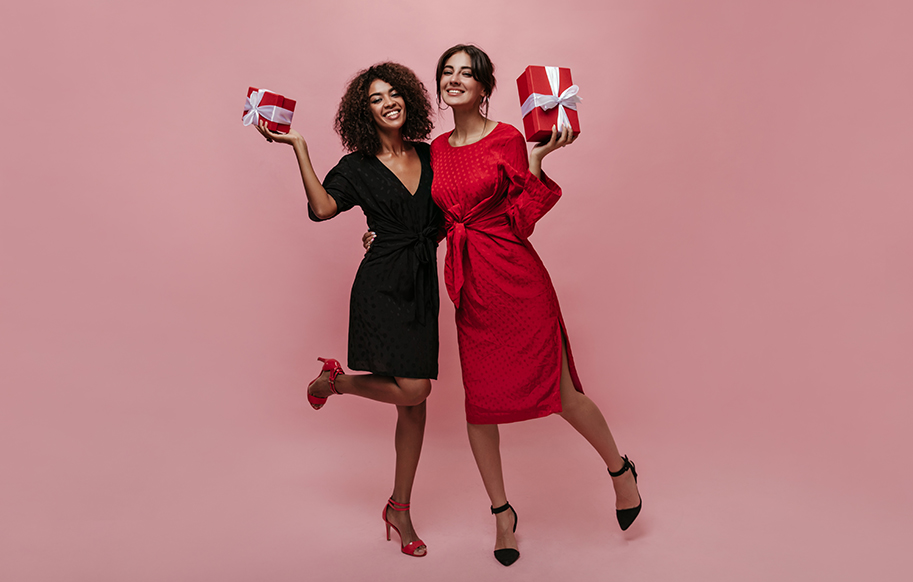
(416, 391)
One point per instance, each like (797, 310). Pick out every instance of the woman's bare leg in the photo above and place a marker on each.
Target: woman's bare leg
(399, 391)
(410, 432)
(409, 395)
(485, 441)
(583, 414)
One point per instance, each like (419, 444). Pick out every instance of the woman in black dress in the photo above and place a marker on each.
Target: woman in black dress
(393, 312)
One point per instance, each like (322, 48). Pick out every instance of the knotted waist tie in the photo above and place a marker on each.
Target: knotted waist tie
(490, 221)
(421, 247)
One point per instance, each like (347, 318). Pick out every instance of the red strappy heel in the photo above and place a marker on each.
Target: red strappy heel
(410, 548)
(333, 367)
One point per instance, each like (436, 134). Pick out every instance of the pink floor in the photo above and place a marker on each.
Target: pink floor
(733, 255)
(263, 488)
(213, 467)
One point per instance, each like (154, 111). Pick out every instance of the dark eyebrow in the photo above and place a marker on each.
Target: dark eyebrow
(379, 93)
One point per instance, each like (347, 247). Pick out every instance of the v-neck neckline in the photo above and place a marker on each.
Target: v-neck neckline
(421, 175)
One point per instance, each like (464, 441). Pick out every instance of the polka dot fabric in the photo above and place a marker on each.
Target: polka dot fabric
(509, 324)
(393, 309)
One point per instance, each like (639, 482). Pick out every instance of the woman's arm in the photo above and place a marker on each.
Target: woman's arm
(322, 204)
(530, 195)
(566, 137)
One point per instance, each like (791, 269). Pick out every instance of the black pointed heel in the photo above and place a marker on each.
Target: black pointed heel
(506, 556)
(627, 516)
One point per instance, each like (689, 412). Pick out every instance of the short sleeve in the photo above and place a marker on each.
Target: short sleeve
(340, 186)
(529, 197)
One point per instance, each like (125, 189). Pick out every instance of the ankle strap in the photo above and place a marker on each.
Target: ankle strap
(332, 379)
(397, 506)
(503, 508)
(627, 465)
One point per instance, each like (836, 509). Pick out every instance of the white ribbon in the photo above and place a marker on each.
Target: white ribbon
(568, 98)
(253, 111)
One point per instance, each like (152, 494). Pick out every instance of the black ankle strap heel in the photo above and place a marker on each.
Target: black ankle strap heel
(506, 556)
(627, 516)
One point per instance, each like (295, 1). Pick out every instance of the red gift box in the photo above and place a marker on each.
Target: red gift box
(548, 97)
(274, 108)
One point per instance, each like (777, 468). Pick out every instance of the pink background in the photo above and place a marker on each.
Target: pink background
(733, 255)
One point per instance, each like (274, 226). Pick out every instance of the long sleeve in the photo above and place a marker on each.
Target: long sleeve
(529, 198)
(508, 320)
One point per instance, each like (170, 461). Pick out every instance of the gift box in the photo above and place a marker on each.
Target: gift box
(274, 108)
(548, 97)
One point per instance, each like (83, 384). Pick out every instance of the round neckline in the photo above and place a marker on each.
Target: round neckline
(480, 140)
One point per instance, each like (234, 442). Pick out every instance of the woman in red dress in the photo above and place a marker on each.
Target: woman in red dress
(514, 349)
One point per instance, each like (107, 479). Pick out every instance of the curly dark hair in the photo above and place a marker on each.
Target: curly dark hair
(354, 122)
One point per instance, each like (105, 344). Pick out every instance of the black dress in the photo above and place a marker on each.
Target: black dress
(393, 310)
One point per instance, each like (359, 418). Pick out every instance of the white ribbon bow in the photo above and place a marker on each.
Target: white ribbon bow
(253, 111)
(568, 98)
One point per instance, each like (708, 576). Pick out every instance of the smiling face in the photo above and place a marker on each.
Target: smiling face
(458, 87)
(387, 106)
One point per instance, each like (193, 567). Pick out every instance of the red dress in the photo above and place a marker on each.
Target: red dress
(509, 324)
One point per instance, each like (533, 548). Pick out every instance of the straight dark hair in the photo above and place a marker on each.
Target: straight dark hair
(483, 70)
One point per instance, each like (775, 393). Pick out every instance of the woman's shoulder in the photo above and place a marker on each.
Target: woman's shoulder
(351, 161)
(350, 168)
(355, 158)
(507, 142)
(441, 140)
(507, 132)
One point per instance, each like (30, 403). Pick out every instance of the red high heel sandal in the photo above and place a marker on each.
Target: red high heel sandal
(333, 367)
(410, 548)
